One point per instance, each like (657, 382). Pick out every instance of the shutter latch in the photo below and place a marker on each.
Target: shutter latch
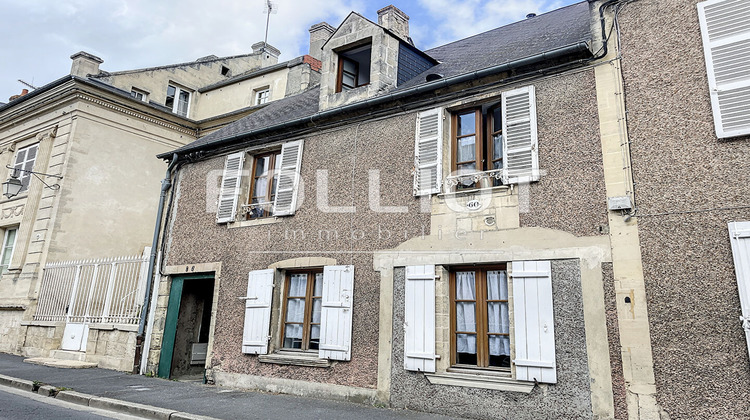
(745, 323)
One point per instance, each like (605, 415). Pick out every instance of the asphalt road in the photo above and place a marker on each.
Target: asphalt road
(18, 404)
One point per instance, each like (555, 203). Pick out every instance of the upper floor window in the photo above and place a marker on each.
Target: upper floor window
(263, 184)
(353, 68)
(24, 163)
(302, 303)
(139, 95)
(178, 100)
(261, 96)
(477, 142)
(9, 242)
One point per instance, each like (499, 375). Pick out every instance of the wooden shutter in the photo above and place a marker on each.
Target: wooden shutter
(285, 202)
(519, 135)
(419, 318)
(725, 25)
(533, 321)
(739, 236)
(428, 152)
(230, 188)
(336, 316)
(258, 312)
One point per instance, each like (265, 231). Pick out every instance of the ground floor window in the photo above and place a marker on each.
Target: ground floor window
(480, 317)
(304, 291)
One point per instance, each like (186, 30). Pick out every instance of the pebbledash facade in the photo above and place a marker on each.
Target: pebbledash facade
(454, 230)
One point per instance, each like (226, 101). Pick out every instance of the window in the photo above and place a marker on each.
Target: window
(25, 159)
(477, 143)
(302, 305)
(480, 321)
(263, 184)
(9, 242)
(139, 95)
(225, 71)
(261, 96)
(739, 238)
(178, 100)
(353, 68)
(726, 41)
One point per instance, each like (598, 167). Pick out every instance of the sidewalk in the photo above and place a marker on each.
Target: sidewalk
(191, 400)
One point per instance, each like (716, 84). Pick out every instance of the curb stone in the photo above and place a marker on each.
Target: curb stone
(109, 404)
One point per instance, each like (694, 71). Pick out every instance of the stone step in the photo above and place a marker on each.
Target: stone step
(68, 355)
(69, 364)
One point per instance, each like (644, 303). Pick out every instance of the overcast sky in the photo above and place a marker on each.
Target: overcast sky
(37, 37)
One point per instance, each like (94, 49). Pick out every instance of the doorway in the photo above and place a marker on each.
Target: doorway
(186, 329)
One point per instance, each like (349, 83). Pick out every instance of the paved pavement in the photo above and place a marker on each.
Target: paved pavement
(190, 398)
(16, 404)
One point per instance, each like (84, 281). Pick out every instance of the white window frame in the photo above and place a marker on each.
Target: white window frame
(262, 96)
(176, 100)
(135, 93)
(4, 267)
(20, 166)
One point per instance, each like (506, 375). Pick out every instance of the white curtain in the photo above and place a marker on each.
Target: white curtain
(295, 308)
(498, 320)
(465, 312)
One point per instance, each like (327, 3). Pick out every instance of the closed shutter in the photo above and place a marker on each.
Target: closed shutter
(336, 316)
(419, 318)
(739, 236)
(230, 188)
(428, 152)
(285, 202)
(533, 321)
(258, 312)
(725, 25)
(519, 133)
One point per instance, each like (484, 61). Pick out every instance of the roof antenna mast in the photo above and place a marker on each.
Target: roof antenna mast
(270, 8)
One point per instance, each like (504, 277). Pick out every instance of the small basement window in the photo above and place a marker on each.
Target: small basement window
(353, 68)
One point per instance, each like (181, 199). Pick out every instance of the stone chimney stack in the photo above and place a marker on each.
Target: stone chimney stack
(269, 54)
(85, 64)
(396, 21)
(319, 34)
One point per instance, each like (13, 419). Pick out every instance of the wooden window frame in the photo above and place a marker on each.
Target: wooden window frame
(480, 315)
(269, 187)
(309, 297)
(340, 74)
(484, 135)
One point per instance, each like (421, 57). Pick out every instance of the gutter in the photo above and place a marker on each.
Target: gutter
(397, 95)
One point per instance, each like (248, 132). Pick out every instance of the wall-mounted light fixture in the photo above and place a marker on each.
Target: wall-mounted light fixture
(13, 185)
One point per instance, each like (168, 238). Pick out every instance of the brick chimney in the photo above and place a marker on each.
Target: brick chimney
(85, 64)
(396, 21)
(319, 34)
(23, 93)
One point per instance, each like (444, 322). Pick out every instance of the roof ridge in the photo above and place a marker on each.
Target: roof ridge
(117, 73)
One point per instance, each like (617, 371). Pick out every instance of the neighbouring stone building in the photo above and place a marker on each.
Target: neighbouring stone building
(92, 136)
(425, 229)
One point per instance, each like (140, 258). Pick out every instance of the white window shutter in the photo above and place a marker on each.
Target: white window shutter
(428, 152)
(230, 188)
(739, 236)
(725, 26)
(258, 312)
(533, 321)
(520, 155)
(336, 315)
(285, 202)
(419, 318)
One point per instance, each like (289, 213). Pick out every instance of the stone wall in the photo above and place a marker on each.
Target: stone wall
(111, 348)
(41, 340)
(10, 330)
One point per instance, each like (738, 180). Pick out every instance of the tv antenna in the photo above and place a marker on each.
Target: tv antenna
(270, 7)
(27, 84)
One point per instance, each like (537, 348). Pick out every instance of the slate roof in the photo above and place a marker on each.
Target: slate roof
(553, 30)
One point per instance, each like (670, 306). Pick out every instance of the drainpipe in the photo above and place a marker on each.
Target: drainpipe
(166, 184)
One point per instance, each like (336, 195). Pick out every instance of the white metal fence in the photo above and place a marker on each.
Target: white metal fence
(108, 290)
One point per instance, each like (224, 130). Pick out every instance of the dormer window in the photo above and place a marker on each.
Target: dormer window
(354, 68)
(178, 100)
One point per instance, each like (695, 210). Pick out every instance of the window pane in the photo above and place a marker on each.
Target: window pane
(316, 310)
(497, 147)
(497, 285)
(466, 349)
(465, 321)
(259, 191)
(298, 285)
(315, 337)
(497, 317)
(465, 285)
(318, 289)
(21, 156)
(182, 106)
(347, 80)
(293, 336)
(466, 149)
(499, 351)
(466, 124)
(349, 66)
(497, 120)
(31, 152)
(171, 91)
(295, 310)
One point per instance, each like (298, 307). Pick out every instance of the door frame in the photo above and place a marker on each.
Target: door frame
(170, 323)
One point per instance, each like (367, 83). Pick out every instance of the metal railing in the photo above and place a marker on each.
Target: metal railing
(106, 290)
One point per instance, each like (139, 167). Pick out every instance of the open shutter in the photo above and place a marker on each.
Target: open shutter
(419, 319)
(519, 134)
(725, 25)
(230, 188)
(533, 321)
(428, 152)
(258, 312)
(285, 202)
(336, 316)
(739, 236)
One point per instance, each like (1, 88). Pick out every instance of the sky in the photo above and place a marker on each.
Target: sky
(37, 37)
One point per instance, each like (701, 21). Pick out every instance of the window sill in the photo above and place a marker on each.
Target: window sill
(499, 188)
(484, 380)
(295, 359)
(254, 222)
